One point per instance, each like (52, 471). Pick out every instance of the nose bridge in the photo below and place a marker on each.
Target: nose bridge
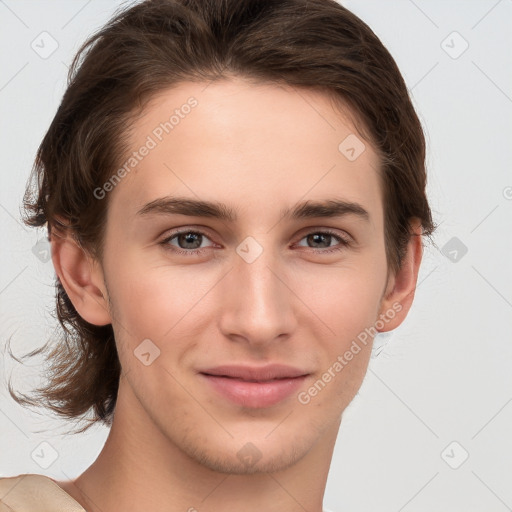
(258, 304)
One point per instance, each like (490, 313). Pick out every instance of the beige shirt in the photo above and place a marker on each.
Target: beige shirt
(35, 493)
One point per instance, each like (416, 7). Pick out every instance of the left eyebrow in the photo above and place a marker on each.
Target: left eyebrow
(212, 209)
(328, 208)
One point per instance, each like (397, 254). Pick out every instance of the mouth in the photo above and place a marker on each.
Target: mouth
(249, 380)
(254, 387)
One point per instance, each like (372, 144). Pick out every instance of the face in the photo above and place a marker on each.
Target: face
(271, 281)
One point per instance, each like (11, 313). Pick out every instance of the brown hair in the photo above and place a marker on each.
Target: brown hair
(151, 46)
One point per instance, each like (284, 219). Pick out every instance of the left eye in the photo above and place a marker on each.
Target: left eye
(325, 238)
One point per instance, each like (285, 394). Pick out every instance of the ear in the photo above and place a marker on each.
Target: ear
(82, 278)
(399, 294)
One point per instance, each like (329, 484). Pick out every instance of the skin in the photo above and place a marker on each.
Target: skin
(173, 444)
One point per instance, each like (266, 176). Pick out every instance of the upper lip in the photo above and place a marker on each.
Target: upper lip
(259, 373)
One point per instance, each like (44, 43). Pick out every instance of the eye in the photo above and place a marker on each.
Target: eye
(324, 238)
(188, 242)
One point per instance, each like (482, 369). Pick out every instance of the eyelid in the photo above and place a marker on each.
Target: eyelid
(343, 235)
(187, 229)
(181, 231)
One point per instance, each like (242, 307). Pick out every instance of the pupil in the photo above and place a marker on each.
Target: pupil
(190, 238)
(319, 237)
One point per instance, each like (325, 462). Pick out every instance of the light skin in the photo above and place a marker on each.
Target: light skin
(259, 149)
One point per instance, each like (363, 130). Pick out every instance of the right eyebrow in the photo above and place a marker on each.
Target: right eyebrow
(186, 206)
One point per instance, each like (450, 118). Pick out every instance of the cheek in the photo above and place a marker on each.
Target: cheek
(345, 298)
(154, 300)
(348, 307)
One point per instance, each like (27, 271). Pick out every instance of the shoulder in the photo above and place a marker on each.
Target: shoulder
(33, 492)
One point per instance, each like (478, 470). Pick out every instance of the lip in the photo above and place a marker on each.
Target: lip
(255, 387)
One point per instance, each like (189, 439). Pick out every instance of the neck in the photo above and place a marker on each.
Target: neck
(140, 468)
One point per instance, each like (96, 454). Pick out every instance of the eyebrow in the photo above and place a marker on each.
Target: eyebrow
(211, 209)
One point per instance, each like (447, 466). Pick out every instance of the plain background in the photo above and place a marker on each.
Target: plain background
(430, 429)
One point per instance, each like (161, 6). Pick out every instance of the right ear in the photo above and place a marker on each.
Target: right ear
(82, 278)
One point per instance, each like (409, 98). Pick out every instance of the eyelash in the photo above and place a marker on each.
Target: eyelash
(198, 252)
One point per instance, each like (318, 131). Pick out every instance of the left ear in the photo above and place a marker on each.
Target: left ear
(399, 294)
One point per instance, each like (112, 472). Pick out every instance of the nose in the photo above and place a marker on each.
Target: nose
(258, 305)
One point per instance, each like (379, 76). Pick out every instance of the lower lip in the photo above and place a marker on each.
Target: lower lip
(255, 394)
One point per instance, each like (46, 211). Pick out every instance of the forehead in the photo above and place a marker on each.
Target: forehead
(246, 145)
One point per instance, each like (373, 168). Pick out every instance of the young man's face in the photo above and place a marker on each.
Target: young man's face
(261, 288)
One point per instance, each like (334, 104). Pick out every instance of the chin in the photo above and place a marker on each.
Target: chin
(248, 455)
(222, 462)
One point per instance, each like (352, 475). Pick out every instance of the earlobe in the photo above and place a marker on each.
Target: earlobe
(399, 296)
(82, 278)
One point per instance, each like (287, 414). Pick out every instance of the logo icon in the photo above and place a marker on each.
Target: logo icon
(351, 147)
(454, 45)
(249, 250)
(44, 45)
(249, 454)
(146, 352)
(454, 250)
(42, 250)
(455, 455)
(44, 455)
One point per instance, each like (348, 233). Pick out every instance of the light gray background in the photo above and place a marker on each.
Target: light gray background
(444, 376)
